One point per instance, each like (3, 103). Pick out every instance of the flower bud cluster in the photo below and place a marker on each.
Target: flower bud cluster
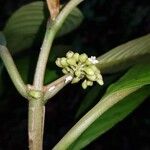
(80, 67)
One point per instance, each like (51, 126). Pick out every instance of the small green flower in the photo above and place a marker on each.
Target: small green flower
(89, 70)
(91, 78)
(63, 62)
(71, 61)
(80, 67)
(76, 56)
(83, 58)
(78, 73)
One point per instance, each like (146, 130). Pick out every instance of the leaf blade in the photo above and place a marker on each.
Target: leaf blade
(125, 55)
(106, 122)
(28, 24)
(114, 94)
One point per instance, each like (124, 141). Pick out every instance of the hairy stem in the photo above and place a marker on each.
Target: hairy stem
(52, 29)
(36, 116)
(12, 71)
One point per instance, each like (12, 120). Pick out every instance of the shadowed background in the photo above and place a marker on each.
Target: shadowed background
(106, 24)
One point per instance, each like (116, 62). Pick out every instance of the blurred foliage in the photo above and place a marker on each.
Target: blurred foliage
(28, 25)
(106, 25)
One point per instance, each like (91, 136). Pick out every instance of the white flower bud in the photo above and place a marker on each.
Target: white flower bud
(76, 56)
(84, 84)
(69, 54)
(58, 63)
(100, 81)
(75, 80)
(63, 62)
(93, 60)
(65, 71)
(89, 83)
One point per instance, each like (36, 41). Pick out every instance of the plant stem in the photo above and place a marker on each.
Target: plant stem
(54, 87)
(51, 31)
(12, 71)
(101, 107)
(36, 116)
(43, 58)
(36, 106)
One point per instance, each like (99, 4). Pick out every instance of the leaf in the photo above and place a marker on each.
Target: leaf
(125, 55)
(92, 95)
(133, 80)
(28, 24)
(114, 115)
(72, 21)
(88, 100)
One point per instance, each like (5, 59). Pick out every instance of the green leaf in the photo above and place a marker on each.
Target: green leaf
(73, 21)
(27, 25)
(133, 80)
(111, 117)
(88, 100)
(92, 95)
(125, 55)
(120, 105)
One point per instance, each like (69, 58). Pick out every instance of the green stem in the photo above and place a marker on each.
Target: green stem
(36, 116)
(12, 71)
(52, 29)
(36, 107)
(54, 87)
(90, 117)
(43, 58)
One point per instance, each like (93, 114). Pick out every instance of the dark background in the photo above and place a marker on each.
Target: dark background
(106, 24)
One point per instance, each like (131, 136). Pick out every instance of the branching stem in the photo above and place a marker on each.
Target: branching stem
(51, 31)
